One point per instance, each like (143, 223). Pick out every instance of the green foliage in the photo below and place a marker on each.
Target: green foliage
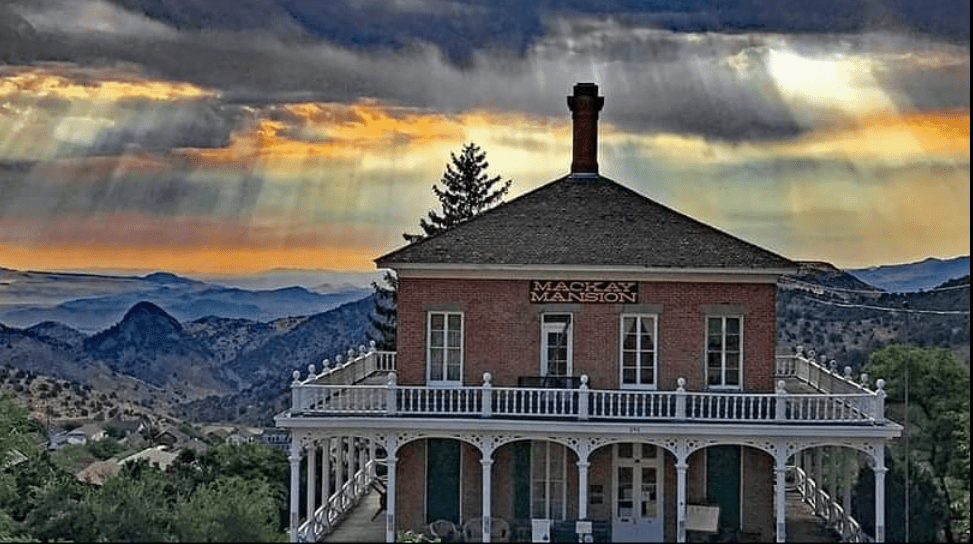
(384, 319)
(16, 431)
(467, 191)
(230, 509)
(135, 505)
(939, 419)
(105, 448)
(230, 493)
(62, 511)
(929, 509)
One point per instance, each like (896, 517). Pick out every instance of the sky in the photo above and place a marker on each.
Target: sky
(236, 137)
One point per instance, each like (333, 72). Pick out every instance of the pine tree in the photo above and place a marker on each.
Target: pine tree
(467, 191)
(384, 318)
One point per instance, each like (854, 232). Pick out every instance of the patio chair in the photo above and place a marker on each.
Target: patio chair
(445, 530)
(473, 530)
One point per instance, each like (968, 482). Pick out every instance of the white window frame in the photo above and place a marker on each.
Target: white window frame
(723, 353)
(638, 351)
(543, 364)
(550, 449)
(445, 348)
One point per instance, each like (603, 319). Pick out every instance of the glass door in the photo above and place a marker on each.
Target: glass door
(556, 345)
(637, 503)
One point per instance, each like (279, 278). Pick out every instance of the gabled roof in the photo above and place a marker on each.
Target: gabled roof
(587, 221)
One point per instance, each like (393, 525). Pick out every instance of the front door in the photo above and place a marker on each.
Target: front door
(637, 502)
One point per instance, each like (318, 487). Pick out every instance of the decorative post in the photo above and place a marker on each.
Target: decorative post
(583, 466)
(681, 399)
(781, 407)
(583, 397)
(390, 403)
(880, 401)
(295, 460)
(390, 496)
(295, 393)
(339, 471)
(682, 457)
(487, 477)
(780, 503)
(311, 479)
(486, 410)
(326, 480)
(880, 470)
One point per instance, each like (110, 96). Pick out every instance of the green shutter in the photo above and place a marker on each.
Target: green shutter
(442, 479)
(723, 484)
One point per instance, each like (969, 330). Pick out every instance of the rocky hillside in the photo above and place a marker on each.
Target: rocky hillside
(845, 319)
(155, 361)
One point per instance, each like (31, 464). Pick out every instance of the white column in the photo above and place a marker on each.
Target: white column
(363, 463)
(350, 464)
(326, 479)
(780, 504)
(681, 467)
(372, 452)
(339, 471)
(311, 479)
(487, 462)
(583, 489)
(880, 470)
(295, 459)
(390, 500)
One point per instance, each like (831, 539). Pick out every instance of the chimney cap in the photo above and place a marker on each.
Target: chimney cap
(585, 89)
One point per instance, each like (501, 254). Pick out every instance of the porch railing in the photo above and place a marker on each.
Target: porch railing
(821, 375)
(338, 391)
(828, 509)
(338, 505)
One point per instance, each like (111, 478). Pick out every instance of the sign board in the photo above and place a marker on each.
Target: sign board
(597, 292)
(702, 518)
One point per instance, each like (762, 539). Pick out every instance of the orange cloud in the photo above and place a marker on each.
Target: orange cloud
(104, 85)
(312, 131)
(893, 136)
(189, 259)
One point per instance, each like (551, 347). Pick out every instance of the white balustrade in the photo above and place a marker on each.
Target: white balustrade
(825, 507)
(337, 390)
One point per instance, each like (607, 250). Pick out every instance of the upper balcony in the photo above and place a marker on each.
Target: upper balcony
(364, 385)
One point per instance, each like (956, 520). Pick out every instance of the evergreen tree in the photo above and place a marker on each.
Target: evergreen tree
(466, 192)
(384, 318)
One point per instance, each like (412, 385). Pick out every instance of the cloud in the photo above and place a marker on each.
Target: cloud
(656, 79)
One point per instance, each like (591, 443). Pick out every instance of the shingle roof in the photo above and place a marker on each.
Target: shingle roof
(586, 221)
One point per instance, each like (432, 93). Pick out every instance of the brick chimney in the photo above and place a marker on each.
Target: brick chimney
(585, 105)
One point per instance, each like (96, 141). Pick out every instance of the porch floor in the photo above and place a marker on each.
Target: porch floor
(362, 525)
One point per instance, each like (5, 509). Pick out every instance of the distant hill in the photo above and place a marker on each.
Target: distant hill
(845, 319)
(152, 359)
(912, 277)
(91, 302)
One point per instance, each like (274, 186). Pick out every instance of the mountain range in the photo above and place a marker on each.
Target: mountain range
(912, 277)
(92, 302)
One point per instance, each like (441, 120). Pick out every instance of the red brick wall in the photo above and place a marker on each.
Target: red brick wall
(502, 330)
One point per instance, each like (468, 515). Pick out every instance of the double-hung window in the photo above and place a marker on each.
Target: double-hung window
(724, 351)
(547, 480)
(639, 347)
(444, 348)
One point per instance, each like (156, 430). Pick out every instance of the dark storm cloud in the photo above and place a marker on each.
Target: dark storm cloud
(43, 190)
(162, 126)
(461, 55)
